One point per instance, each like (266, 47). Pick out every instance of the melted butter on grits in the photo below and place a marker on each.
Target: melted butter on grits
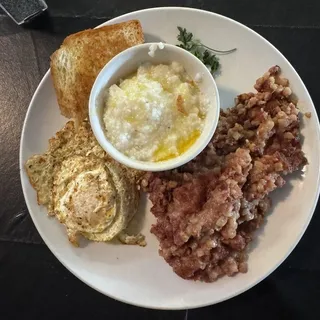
(163, 152)
(156, 114)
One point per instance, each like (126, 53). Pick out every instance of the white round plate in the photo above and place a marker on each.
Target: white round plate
(138, 275)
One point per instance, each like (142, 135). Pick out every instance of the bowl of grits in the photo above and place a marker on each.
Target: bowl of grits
(154, 107)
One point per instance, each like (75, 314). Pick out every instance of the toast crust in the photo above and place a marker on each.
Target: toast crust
(76, 64)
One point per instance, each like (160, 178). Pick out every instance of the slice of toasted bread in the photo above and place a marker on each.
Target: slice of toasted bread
(75, 66)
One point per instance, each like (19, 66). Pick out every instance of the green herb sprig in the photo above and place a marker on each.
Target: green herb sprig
(200, 50)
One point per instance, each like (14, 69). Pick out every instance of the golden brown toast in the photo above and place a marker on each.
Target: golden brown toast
(76, 64)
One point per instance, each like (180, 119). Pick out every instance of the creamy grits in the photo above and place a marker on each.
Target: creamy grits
(153, 48)
(156, 114)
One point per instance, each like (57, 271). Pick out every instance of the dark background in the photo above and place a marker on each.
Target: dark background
(33, 283)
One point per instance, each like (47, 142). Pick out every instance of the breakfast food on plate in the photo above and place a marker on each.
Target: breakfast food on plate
(87, 191)
(156, 114)
(207, 210)
(75, 66)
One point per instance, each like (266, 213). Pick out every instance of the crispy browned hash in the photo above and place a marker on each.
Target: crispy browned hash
(208, 209)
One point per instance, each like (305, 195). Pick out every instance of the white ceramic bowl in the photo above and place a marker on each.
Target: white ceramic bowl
(128, 62)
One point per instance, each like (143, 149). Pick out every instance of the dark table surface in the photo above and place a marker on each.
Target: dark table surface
(33, 283)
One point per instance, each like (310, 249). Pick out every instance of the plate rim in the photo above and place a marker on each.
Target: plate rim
(155, 306)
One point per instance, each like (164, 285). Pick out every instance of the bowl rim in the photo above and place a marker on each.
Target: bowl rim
(182, 159)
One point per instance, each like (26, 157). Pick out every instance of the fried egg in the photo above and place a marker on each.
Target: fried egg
(86, 190)
(84, 196)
